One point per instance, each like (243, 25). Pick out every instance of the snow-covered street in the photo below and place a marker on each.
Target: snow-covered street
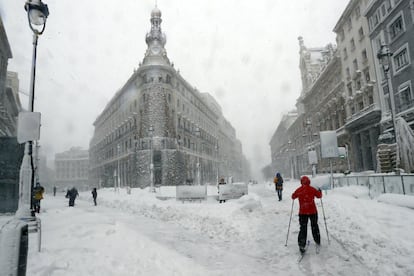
(139, 234)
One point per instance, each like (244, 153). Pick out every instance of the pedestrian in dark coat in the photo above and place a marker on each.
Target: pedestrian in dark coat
(221, 182)
(94, 195)
(278, 180)
(72, 194)
(307, 210)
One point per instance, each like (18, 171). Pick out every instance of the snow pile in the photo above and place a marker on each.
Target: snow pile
(398, 200)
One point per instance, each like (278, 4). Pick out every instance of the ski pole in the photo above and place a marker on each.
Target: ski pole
(291, 211)
(324, 218)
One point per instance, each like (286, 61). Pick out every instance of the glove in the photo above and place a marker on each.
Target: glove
(319, 189)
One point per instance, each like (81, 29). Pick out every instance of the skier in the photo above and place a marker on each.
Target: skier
(72, 194)
(54, 190)
(94, 195)
(307, 210)
(278, 180)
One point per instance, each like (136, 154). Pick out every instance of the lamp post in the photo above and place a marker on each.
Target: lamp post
(37, 13)
(151, 133)
(118, 180)
(217, 162)
(290, 159)
(384, 56)
(197, 133)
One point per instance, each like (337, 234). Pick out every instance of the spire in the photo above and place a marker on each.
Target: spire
(156, 40)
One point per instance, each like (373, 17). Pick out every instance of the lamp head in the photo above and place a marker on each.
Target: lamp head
(384, 54)
(37, 13)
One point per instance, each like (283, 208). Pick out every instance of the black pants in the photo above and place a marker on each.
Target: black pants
(279, 194)
(303, 221)
(71, 201)
(94, 200)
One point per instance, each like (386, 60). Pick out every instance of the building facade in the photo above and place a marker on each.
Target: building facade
(281, 152)
(320, 107)
(391, 23)
(11, 153)
(346, 90)
(160, 130)
(362, 100)
(72, 169)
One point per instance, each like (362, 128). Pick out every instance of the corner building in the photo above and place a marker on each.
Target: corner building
(158, 121)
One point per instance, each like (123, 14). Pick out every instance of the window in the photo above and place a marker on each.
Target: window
(352, 42)
(349, 87)
(360, 105)
(370, 99)
(388, 5)
(367, 76)
(396, 27)
(358, 84)
(349, 23)
(401, 59)
(404, 97)
(357, 12)
(364, 56)
(361, 33)
(355, 64)
(374, 20)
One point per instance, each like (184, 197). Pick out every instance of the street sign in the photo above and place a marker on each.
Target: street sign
(28, 126)
(312, 157)
(329, 144)
(342, 152)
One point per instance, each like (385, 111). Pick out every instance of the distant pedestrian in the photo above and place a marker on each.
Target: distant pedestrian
(222, 182)
(278, 180)
(37, 196)
(72, 194)
(307, 210)
(94, 195)
(54, 190)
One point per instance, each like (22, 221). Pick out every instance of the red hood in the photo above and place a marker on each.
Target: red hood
(304, 180)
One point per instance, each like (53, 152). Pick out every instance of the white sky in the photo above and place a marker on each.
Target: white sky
(245, 53)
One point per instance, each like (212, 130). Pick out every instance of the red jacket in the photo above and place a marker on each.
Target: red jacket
(306, 195)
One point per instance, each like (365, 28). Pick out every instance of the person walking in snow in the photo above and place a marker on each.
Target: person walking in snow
(221, 182)
(37, 196)
(278, 180)
(307, 210)
(72, 194)
(94, 195)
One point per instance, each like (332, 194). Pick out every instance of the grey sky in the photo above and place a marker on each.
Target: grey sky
(245, 53)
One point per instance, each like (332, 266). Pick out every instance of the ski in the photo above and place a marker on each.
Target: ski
(302, 254)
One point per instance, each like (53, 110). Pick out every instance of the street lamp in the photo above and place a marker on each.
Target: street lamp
(151, 133)
(197, 133)
(290, 159)
(217, 163)
(37, 13)
(118, 179)
(384, 56)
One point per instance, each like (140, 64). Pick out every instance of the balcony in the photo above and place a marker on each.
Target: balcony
(365, 117)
